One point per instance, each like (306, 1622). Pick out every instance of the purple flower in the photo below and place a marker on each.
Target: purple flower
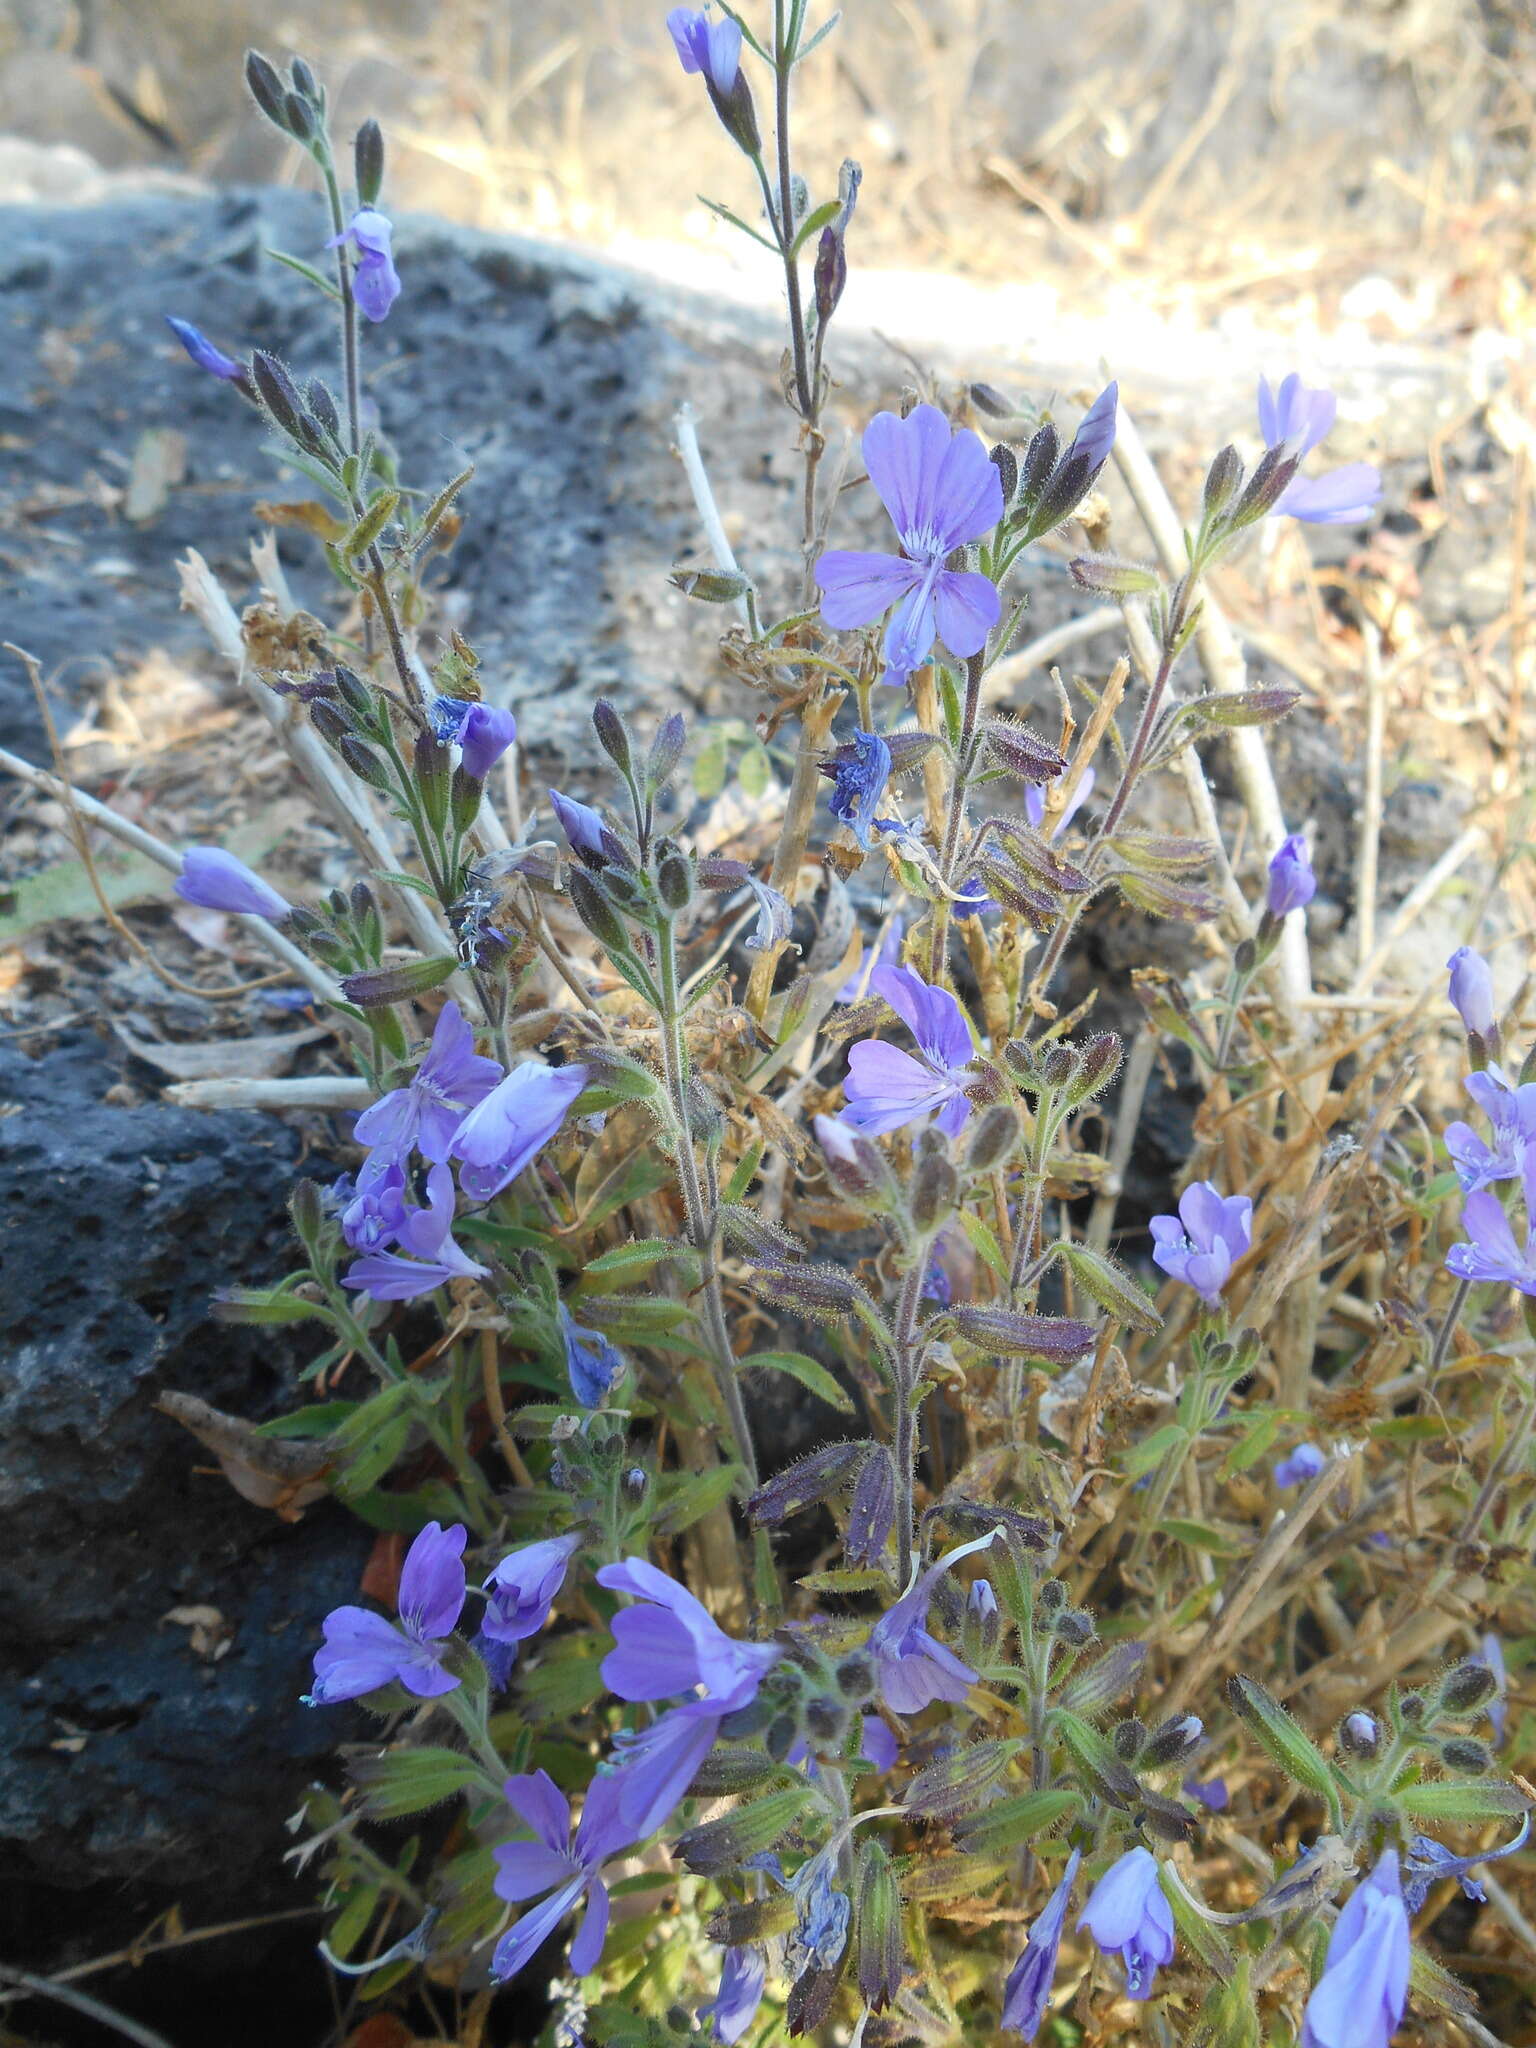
(215, 880)
(1292, 884)
(860, 769)
(363, 1651)
(712, 47)
(373, 1206)
(1304, 1463)
(911, 1666)
(1296, 415)
(590, 839)
(1471, 993)
(821, 1932)
(972, 900)
(1034, 803)
(656, 1765)
(1095, 435)
(482, 732)
(425, 1236)
(203, 352)
(375, 281)
(774, 916)
(1212, 1795)
(878, 1743)
(591, 1362)
(1498, 1706)
(1491, 1252)
(514, 1122)
(425, 1115)
(669, 1645)
(941, 492)
(1359, 1999)
(1512, 1113)
(734, 2006)
(1202, 1244)
(523, 1587)
(887, 955)
(1429, 1861)
(1029, 1981)
(569, 1870)
(886, 1087)
(1128, 1916)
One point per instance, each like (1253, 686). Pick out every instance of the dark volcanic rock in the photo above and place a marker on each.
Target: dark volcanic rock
(123, 1755)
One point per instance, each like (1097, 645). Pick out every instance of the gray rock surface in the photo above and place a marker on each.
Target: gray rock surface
(125, 1756)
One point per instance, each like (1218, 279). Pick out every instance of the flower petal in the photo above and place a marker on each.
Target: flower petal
(904, 458)
(966, 607)
(858, 588)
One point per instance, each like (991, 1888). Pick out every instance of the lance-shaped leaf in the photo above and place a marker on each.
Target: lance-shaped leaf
(1280, 1737)
(1109, 1285)
(1009, 1823)
(725, 1844)
(1011, 1333)
(395, 1782)
(958, 1783)
(1452, 1804)
(1107, 1681)
(1242, 707)
(877, 1916)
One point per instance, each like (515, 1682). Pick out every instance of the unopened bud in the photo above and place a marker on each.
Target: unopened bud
(1074, 1625)
(1129, 1737)
(872, 1515)
(365, 764)
(1467, 1687)
(368, 162)
(1174, 1741)
(855, 1677)
(674, 876)
(993, 1139)
(266, 88)
(1100, 1062)
(781, 1735)
(1411, 1708)
(277, 390)
(983, 1619)
(635, 1483)
(596, 912)
(824, 1293)
(854, 1165)
(666, 751)
(830, 275)
(612, 735)
(1053, 1595)
(322, 406)
(825, 1718)
(1223, 480)
(935, 1191)
(1111, 577)
(808, 1480)
(432, 773)
(304, 1206)
(721, 1845)
(1360, 1736)
(1006, 463)
(1463, 1753)
(381, 985)
(298, 117)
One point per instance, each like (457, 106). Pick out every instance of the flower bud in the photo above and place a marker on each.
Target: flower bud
(382, 985)
(331, 722)
(1129, 1737)
(368, 162)
(1223, 481)
(992, 1140)
(322, 405)
(808, 1480)
(298, 117)
(277, 391)
(365, 764)
(1110, 577)
(726, 1771)
(612, 735)
(596, 912)
(830, 275)
(1467, 1687)
(1464, 1753)
(935, 1191)
(1101, 1057)
(825, 1719)
(634, 1483)
(854, 1165)
(266, 88)
(307, 1211)
(432, 775)
(749, 1720)
(872, 1513)
(1164, 1819)
(1022, 752)
(1411, 1708)
(721, 1845)
(1052, 1595)
(1009, 1333)
(855, 1675)
(666, 751)
(1360, 1736)
(824, 1293)
(781, 1735)
(1174, 1741)
(674, 876)
(1074, 1625)
(983, 1619)
(877, 1917)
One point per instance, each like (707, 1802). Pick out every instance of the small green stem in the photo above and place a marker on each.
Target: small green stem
(349, 349)
(904, 1422)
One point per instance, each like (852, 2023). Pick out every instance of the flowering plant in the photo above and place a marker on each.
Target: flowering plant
(666, 1159)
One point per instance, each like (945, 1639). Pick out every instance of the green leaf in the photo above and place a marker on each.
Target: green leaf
(405, 1781)
(638, 1256)
(690, 1498)
(1258, 1434)
(984, 1243)
(1200, 1536)
(1443, 1802)
(1106, 1772)
(564, 1683)
(641, 1175)
(1152, 1450)
(1280, 1737)
(807, 1371)
(318, 1419)
(314, 277)
(814, 222)
(635, 1318)
(1010, 1823)
(433, 515)
(845, 1581)
(266, 1305)
(754, 772)
(1409, 1429)
(372, 524)
(709, 766)
(743, 1171)
(736, 221)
